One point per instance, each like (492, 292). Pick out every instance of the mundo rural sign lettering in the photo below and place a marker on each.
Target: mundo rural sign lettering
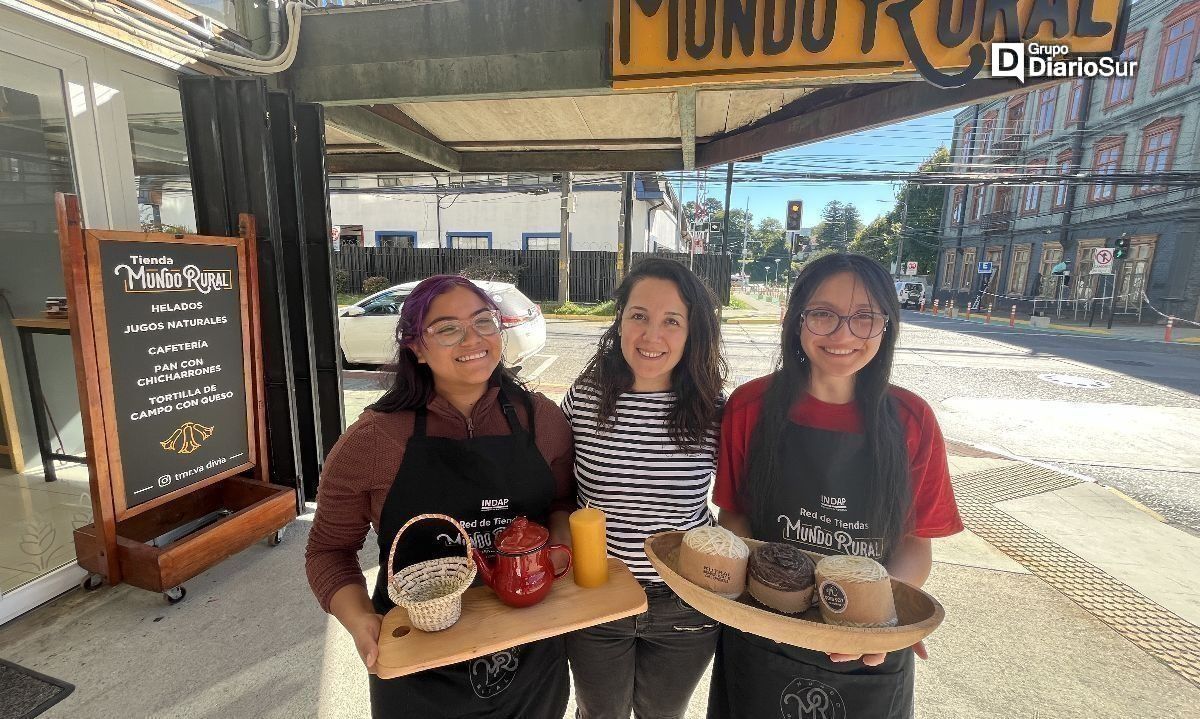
(658, 43)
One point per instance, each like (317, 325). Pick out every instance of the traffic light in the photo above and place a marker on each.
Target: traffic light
(1122, 250)
(793, 215)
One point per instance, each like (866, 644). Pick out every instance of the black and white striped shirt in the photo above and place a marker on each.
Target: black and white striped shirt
(632, 471)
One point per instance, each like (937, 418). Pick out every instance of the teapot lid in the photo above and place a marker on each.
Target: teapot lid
(521, 536)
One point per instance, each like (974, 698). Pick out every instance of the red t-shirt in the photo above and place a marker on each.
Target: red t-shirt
(934, 512)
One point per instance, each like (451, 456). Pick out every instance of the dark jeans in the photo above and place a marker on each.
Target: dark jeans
(649, 663)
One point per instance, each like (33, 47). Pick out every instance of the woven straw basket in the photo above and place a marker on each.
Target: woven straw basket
(431, 591)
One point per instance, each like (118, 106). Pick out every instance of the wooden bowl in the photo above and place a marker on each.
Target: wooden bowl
(918, 613)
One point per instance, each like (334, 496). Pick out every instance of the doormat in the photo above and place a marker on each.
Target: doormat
(24, 694)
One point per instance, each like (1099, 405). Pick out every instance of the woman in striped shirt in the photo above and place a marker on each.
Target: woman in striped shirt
(646, 415)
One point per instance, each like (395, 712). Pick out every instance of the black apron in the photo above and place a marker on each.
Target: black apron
(485, 483)
(823, 510)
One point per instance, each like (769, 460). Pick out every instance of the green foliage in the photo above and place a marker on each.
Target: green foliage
(604, 309)
(840, 224)
(341, 279)
(737, 303)
(878, 240)
(371, 285)
(816, 254)
(568, 308)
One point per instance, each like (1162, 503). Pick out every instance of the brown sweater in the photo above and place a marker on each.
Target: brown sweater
(362, 466)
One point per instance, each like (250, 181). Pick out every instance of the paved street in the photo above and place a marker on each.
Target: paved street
(1123, 412)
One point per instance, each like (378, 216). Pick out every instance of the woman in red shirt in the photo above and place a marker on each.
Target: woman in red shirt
(827, 455)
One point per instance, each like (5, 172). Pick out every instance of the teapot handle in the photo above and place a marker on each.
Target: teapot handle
(570, 558)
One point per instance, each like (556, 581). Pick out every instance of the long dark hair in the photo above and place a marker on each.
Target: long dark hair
(885, 440)
(700, 374)
(412, 382)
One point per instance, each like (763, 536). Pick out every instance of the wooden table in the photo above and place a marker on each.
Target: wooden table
(26, 329)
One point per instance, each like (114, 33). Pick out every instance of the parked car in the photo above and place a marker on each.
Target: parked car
(910, 292)
(368, 327)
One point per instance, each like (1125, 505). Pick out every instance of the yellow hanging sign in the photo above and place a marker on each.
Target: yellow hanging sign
(663, 43)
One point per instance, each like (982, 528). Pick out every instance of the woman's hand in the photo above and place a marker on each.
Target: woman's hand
(874, 660)
(354, 610)
(365, 631)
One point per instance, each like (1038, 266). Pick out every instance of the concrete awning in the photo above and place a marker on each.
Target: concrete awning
(480, 86)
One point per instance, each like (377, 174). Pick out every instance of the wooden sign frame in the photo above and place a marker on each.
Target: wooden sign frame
(92, 240)
(118, 544)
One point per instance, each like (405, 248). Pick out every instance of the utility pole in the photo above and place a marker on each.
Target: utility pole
(564, 242)
(903, 224)
(725, 219)
(626, 258)
(745, 233)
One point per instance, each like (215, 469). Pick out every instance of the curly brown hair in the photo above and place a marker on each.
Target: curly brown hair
(698, 378)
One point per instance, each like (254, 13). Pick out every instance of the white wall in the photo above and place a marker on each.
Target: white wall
(507, 215)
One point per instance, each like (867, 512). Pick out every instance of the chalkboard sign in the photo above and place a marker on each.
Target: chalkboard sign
(173, 340)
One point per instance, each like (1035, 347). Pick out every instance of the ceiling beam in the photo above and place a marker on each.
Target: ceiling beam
(363, 123)
(685, 100)
(413, 51)
(532, 161)
(842, 110)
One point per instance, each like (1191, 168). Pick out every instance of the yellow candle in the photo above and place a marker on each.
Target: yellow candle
(589, 545)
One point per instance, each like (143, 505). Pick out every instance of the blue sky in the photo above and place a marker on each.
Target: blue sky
(899, 147)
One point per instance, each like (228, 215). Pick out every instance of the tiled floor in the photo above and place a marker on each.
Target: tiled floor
(37, 519)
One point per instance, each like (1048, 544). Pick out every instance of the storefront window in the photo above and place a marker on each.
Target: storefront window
(160, 162)
(1020, 271)
(37, 517)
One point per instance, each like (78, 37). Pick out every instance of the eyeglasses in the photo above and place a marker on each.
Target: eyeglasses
(448, 333)
(863, 325)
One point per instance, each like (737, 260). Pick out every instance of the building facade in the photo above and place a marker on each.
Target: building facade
(1037, 242)
(501, 212)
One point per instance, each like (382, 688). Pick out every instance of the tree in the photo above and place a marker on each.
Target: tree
(770, 238)
(878, 239)
(925, 203)
(840, 224)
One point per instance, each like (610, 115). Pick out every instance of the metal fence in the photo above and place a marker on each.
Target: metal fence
(593, 274)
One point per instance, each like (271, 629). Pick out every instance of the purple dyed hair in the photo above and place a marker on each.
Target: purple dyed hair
(413, 385)
(416, 306)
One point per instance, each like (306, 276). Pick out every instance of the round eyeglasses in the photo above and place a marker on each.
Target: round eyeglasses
(863, 325)
(448, 333)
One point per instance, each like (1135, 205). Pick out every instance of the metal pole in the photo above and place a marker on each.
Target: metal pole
(745, 233)
(728, 199)
(1112, 292)
(564, 241)
(624, 231)
(691, 245)
(903, 224)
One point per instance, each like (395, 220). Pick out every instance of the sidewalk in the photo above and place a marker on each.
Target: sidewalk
(1063, 599)
(1182, 332)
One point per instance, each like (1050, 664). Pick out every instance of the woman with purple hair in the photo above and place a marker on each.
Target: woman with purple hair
(456, 434)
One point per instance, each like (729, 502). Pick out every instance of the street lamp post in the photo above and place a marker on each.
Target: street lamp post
(777, 270)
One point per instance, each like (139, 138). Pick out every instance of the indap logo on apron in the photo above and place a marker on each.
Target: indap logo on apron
(492, 674)
(810, 699)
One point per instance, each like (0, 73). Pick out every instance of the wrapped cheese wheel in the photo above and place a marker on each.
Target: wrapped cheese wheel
(781, 577)
(714, 558)
(855, 592)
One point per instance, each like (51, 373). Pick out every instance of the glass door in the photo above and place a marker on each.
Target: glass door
(48, 144)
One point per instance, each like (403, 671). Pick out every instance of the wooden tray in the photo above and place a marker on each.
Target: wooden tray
(918, 612)
(487, 625)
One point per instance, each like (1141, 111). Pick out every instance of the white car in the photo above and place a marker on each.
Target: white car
(368, 327)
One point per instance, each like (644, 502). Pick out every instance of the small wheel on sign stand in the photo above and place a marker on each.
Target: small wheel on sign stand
(276, 537)
(92, 582)
(175, 595)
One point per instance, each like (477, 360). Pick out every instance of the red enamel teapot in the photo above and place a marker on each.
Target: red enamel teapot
(521, 573)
